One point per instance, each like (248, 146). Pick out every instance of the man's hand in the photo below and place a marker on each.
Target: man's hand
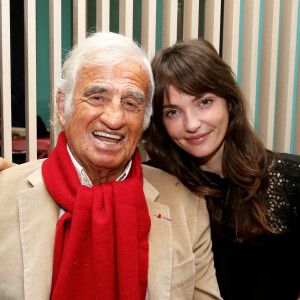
(4, 164)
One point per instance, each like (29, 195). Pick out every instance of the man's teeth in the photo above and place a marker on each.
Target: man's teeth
(107, 135)
(108, 143)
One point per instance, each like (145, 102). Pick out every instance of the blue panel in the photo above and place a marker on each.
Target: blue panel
(42, 60)
(137, 20)
(114, 16)
(91, 16)
(159, 22)
(66, 26)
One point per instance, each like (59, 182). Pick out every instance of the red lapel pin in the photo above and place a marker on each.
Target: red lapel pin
(159, 216)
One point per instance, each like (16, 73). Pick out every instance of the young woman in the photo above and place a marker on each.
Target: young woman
(200, 133)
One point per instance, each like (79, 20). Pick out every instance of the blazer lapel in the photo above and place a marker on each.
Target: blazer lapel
(38, 215)
(160, 246)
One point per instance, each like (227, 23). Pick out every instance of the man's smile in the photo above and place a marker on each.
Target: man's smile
(107, 138)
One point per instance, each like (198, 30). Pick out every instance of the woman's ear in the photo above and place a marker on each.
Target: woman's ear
(229, 106)
(60, 102)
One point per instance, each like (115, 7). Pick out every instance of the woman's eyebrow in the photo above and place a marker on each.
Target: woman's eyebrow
(169, 106)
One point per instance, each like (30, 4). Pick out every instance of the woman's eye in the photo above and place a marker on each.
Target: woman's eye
(171, 112)
(205, 101)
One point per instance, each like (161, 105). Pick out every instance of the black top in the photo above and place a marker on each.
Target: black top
(268, 266)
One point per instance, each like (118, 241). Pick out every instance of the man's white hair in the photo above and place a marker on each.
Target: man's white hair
(103, 49)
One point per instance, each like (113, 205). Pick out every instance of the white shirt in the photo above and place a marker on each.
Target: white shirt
(84, 178)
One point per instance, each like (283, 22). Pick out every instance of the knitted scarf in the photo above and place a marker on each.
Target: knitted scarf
(101, 243)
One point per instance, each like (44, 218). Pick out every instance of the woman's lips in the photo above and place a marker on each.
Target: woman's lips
(194, 139)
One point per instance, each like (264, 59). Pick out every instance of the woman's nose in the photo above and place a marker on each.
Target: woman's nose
(192, 122)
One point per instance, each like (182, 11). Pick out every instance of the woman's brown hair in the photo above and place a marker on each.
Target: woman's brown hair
(195, 68)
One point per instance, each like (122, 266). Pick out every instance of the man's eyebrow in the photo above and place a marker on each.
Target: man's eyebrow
(136, 94)
(95, 89)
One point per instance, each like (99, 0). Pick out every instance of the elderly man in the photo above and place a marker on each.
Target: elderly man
(89, 222)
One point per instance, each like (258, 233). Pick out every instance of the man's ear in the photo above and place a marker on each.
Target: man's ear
(60, 102)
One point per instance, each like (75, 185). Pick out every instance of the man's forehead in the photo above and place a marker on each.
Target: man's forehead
(107, 68)
(100, 77)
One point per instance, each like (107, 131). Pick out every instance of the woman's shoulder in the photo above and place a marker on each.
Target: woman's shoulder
(286, 168)
(289, 157)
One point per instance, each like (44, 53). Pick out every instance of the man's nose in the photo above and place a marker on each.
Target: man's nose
(113, 115)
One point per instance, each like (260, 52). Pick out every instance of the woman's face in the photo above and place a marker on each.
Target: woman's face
(197, 125)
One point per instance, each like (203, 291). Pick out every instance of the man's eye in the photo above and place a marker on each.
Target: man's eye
(131, 106)
(96, 100)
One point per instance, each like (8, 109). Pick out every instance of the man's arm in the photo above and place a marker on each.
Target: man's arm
(4, 164)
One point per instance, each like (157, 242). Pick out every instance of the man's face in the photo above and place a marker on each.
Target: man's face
(107, 118)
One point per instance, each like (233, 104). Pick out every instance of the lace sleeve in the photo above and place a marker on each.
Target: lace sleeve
(283, 201)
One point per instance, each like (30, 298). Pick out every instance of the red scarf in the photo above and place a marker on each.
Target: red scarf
(101, 244)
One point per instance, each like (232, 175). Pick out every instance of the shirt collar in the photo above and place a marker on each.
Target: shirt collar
(84, 178)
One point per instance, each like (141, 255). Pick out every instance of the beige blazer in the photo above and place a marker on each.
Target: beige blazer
(180, 257)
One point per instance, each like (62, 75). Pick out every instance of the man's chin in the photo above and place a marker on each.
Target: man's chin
(110, 162)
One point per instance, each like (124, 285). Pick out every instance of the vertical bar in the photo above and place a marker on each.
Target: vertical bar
(286, 73)
(30, 79)
(231, 33)
(239, 68)
(55, 63)
(149, 27)
(6, 143)
(79, 21)
(295, 140)
(268, 79)
(296, 149)
(169, 35)
(250, 53)
(190, 19)
(102, 15)
(261, 9)
(212, 22)
(126, 18)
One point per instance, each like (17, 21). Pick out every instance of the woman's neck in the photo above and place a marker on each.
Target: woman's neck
(213, 162)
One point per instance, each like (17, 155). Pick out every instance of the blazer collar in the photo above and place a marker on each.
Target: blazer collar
(38, 214)
(160, 246)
